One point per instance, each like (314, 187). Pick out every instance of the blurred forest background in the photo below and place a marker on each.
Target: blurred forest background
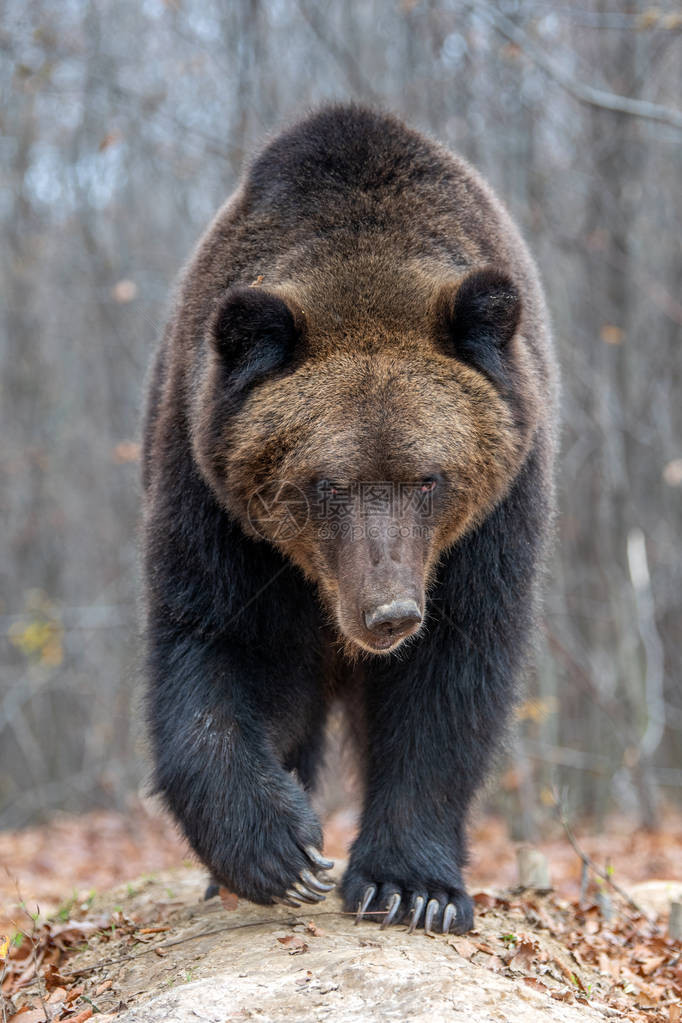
(123, 125)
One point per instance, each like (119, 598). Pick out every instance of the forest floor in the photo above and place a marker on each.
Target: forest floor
(113, 923)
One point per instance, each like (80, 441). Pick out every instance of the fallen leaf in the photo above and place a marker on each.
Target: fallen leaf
(483, 946)
(229, 900)
(535, 983)
(293, 944)
(463, 947)
(650, 964)
(28, 1015)
(82, 1016)
(53, 978)
(484, 899)
(563, 996)
(495, 964)
(570, 975)
(312, 928)
(524, 956)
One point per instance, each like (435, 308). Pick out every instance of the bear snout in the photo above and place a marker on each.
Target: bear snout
(388, 623)
(397, 616)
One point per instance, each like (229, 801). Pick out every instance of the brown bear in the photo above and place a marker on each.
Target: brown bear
(347, 469)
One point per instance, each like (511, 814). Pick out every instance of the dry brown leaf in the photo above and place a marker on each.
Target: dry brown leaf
(535, 983)
(483, 946)
(293, 944)
(495, 964)
(463, 947)
(524, 956)
(650, 964)
(608, 966)
(28, 1015)
(650, 995)
(82, 1016)
(484, 900)
(104, 986)
(312, 928)
(53, 978)
(229, 900)
(570, 975)
(72, 932)
(563, 996)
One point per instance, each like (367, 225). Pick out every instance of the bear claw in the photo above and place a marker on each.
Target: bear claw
(437, 914)
(392, 910)
(317, 859)
(431, 910)
(300, 891)
(316, 884)
(367, 897)
(286, 901)
(415, 915)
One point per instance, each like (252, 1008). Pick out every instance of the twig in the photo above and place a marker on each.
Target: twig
(288, 922)
(588, 863)
(34, 954)
(583, 93)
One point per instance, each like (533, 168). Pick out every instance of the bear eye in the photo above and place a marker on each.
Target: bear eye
(328, 487)
(427, 485)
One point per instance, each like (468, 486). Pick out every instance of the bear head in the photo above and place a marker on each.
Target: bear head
(363, 447)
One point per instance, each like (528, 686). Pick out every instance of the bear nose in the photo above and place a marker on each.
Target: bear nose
(392, 619)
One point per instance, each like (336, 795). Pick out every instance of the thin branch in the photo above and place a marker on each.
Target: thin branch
(579, 90)
(588, 863)
(290, 921)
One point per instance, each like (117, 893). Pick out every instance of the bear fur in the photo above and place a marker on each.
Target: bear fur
(361, 329)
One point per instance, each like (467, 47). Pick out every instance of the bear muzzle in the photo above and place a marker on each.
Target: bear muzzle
(389, 623)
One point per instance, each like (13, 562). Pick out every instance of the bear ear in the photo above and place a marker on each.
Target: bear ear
(255, 333)
(482, 318)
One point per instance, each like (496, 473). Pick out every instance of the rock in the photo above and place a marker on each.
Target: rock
(655, 896)
(533, 869)
(313, 965)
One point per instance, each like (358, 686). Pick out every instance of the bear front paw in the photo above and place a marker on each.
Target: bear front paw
(436, 909)
(311, 885)
(270, 853)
